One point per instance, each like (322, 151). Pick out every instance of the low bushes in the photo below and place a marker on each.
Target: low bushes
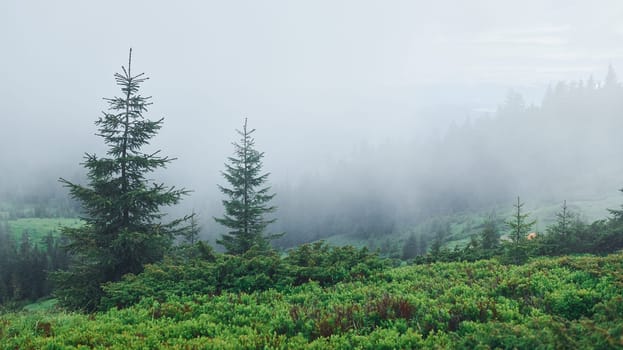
(549, 303)
(208, 273)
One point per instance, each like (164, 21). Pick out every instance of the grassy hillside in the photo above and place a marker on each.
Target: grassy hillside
(588, 209)
(38, 228)
(568, 302)
(461, 226)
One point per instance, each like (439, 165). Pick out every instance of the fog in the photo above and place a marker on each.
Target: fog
(371, 114)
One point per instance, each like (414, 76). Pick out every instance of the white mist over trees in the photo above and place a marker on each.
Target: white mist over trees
(368, 129)
(563, 148)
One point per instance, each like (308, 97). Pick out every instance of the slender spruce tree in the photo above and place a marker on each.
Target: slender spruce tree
(561, 236)
(123, 228)
(519, 227)
(519, 224)
(564, 224)
(247, 200)
(191, 236)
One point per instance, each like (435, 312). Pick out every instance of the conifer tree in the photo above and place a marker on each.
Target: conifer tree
(519, 227)
(562, 236)
(613, 239)
(411, 248)
(617, 214)
(489, 237)
(611, 78)
(191, 236)
(247, 200)
(121, 206)
(563, 223)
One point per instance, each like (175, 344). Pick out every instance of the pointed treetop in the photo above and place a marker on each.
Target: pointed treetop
(129, 61)
(611, 77)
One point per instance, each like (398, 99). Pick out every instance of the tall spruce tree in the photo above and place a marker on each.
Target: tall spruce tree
(519, 227)
(247, 199)
(121, 206)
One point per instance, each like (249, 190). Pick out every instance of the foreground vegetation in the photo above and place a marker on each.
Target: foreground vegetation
(565, 302)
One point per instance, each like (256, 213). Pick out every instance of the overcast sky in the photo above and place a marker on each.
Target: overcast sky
(316, 78)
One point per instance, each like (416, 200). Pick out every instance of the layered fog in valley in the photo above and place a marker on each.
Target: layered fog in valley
(374, 118)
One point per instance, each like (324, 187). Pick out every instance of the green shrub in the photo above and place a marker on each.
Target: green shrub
(549, 303)
(185, 274)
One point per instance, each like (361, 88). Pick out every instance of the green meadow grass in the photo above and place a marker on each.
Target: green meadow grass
(38, 228)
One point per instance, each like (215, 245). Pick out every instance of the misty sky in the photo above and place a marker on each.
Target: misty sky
(318, 79)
